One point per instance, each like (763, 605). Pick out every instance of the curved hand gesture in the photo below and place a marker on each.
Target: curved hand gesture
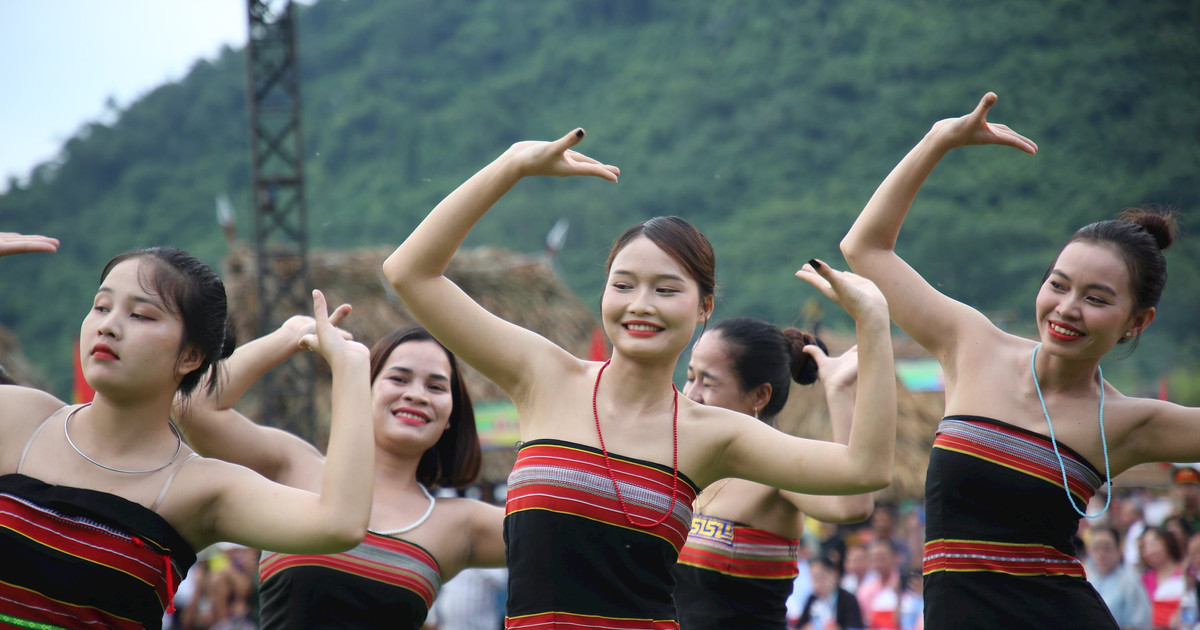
(857, 295)
(332, 343)
(301, 326)
(12, 243)
(975, 129)
(557, 159)
(835, 372)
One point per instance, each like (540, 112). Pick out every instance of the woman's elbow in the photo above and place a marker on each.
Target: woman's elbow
(875, 478)
(849, 247)
(857, 511)
(343, 536)
(393, 269)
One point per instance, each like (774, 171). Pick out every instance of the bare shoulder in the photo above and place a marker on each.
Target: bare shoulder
(21, 410)
(462, 511)
(197, 490)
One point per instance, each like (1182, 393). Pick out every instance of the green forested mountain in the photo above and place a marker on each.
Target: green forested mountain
(766, 123)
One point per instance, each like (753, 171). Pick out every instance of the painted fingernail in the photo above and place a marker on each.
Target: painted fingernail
(816, 264)
(578, 133)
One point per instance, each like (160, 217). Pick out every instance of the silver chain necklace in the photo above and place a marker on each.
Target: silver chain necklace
(178, 447)
(415, 524)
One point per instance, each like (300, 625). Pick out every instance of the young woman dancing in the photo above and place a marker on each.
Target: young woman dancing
(424, 438)
(102, 505)
(599, 501)
(1032, 429)
(737, 567)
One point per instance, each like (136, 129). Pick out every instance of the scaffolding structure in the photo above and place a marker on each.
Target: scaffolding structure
(280, 214)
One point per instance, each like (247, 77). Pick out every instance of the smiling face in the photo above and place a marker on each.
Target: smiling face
(130, 341)
(412, 399)
(1085, 305)
(651, 306)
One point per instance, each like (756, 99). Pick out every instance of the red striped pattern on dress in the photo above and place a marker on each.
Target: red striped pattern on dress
(384, 559)
(24, 608)
(568, 621)
(737, 550)
(575, 481)
(1019, 451)
(995, 557)
(87, 541)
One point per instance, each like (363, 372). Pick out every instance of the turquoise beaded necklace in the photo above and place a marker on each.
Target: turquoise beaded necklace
(1103, 441)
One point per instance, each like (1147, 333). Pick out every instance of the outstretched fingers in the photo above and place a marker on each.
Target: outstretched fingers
(1008, 137)
(580, 164)
(856, 294)
(312, 341)
(12, 243)
(998, 133)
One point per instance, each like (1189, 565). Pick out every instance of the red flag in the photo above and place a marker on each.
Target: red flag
(81, 392)
(598, 351)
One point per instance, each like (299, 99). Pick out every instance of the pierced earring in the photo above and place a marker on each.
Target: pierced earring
(1128, 333)
(756, 412)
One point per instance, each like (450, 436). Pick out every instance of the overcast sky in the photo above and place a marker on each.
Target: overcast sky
(60, 60)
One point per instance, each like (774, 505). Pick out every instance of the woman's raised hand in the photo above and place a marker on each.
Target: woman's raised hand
(975, 129)
(13, 243)
(331, 342)
(556, 159)
(840, 371)
(301, 326)
(857, 295)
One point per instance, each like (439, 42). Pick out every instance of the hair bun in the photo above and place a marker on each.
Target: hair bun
(804, 367)
(1161, 224)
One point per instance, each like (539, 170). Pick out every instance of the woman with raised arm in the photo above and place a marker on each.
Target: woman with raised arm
(741, 555)
(599, 501)
(1028, 423)
(102, 505)
(424, 438)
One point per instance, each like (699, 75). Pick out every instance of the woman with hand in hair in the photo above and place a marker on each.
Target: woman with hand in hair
(740, 559)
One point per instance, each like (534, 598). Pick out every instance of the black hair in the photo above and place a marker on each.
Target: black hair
(455, 460)
(1140, 235)
(762, 353)
(193, 291)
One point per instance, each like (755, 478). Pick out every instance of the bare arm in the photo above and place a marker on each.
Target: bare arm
(12, 243)
(214, 429)
(1170, 433)
(252, 360)
(416, 268)
(252, 511)
(932, 319)
(864, 463)
(487, 536)
(838, 376)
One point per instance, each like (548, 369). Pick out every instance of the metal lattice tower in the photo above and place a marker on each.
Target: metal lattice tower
(280, 216)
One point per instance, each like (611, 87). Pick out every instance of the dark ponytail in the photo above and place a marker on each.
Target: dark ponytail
(762, 353)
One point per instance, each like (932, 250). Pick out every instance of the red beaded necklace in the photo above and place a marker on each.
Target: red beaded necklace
(674, 455)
